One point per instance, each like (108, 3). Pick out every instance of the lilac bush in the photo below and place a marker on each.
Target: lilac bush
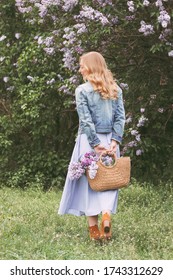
(41, 47)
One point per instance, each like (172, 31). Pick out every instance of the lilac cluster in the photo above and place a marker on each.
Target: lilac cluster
(164, 34)
(68, 5)
(124, 86)
(92, 169)
(88, 161)
(141, 121)
(75, 170)
(70, 41)
(131, 6)
(164, 18)
(146, 29)
(103, 3)
(88, 158)
(108, 160)
(88, 12)
(146, 3)
(139, 152)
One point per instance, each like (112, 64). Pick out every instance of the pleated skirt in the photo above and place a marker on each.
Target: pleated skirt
(78, 198)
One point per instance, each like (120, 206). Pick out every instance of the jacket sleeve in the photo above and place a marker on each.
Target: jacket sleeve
(119, 119)
(85, 119)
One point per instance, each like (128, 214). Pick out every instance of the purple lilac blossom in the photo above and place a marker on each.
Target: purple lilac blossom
(138, 137)
(65, 89)
(91, 14)
(69, 5)
(159, 4)
(130, 18)
(49, 51)
(92, 169)
(103, 3)
(165, 33)
(146, 29)
(79, 49)
(107, 160)
(164, 18)
(134, 132)
(70, 38)
(114, 20)
(42, 10)
(68, 59)
(81, 28)
(124, 86)
(128, 120)
(141, 121)
(75, 170)
(139, 152)
(132, 144)
(49, 41)
(73, 79)
(146, 3)
(130, 5)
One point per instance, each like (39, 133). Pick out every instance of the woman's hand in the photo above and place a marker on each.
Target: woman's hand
(113, 146)
(99, 149)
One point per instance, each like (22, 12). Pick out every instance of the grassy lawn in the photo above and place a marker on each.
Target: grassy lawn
(31, 229)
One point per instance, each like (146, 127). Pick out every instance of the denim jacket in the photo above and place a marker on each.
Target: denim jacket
(98, 115)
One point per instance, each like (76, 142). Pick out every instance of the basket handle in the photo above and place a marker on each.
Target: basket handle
(108, 152)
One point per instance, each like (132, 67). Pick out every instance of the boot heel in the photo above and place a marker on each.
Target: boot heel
(106, 227)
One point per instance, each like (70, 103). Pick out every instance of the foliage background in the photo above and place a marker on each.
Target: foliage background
(41, 42)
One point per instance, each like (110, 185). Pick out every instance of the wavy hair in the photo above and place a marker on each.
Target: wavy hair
(99, 75)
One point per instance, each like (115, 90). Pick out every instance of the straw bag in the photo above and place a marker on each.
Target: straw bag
(111, 177)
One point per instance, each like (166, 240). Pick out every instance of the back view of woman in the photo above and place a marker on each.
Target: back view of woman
(101, 124)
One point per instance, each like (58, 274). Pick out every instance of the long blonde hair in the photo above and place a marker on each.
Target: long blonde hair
(99, 75)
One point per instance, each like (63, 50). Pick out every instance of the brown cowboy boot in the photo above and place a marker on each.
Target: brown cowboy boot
(105, 231)
(94, 232)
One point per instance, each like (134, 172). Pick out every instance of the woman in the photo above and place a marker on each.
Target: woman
(101, 123)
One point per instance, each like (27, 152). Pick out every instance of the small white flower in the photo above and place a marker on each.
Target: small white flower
(2, 38)
(30, 78)
(170, 53)
(17, 35)
(5, 79)
(2, 58)
(160, 110)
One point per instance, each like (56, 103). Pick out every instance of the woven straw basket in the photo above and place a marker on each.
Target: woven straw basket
(111, 177)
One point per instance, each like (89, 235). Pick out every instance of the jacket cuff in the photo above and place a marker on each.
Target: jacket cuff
(94, 144)
(117, 138)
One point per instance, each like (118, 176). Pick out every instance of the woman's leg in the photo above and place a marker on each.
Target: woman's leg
(92, 220)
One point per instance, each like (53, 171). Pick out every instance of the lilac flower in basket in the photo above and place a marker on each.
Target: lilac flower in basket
(75, 170)
(108, 160)
(88, 161)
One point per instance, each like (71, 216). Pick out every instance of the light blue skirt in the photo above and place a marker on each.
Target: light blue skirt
(78, 198)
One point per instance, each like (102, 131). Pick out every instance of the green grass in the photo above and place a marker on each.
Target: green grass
(31, 229)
